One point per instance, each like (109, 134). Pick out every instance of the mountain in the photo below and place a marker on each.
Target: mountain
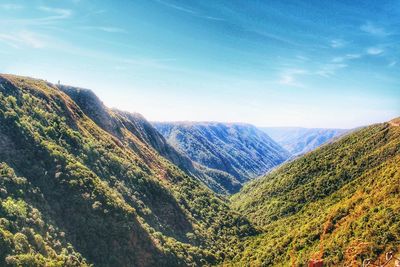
(81, 184)
(299, 141)
(218, 181)
(240, 150)
(339, 203)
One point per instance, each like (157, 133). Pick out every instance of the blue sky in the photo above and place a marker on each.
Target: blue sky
(270, 63)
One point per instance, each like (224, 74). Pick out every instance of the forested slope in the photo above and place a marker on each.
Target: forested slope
(339, 203)
(86, 191)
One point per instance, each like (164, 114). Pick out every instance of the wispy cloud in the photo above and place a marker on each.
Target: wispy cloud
(23, 38)
(188, 11)
(289, 77)
(392, 63)
(330, 69)
(272, 36)
(337, 43)
(104, 29)
(122, 62)
(346, 58)
(53, 15)
(292, 76)
(373, 29)
(302, 58)
(374, 51)
(180, 8)
(58, 13)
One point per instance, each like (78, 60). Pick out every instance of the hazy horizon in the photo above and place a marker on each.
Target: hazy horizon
(278, 64)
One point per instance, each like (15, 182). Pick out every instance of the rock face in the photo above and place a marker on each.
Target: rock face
(82, 184)
(240, 150)
(299, 141)
(336, 203)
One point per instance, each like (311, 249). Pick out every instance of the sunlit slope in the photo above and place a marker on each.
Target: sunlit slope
(340, 203)
(110, 197)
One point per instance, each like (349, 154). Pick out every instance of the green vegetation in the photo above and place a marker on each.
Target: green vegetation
(84, 185)
(339, 203)
(27, 236)
(96, 193)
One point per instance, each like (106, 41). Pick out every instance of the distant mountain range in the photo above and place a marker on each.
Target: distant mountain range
(241, 150)
(299, 140)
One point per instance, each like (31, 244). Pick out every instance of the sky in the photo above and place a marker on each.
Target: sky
(308, 63)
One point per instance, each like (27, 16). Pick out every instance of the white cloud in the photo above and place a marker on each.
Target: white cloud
(59, 13)
(189, 11)
(329, 70)
(374, 51)
(374, 29)
(302, 58)
(53, 15)
(180, 8)
(353, 56)
(345, 58)
(337, 43)
(23, 38)
(105, 29)
(392, 63)
(289, 77)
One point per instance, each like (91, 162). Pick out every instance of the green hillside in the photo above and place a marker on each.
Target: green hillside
(78, 191)
(339, 203)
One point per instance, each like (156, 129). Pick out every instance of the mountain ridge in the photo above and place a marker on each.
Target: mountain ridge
(300, 140)
(238, 149)
(86, 99)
